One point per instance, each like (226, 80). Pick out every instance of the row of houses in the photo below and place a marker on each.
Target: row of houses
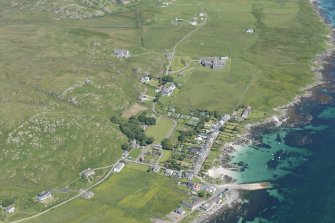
(212, 134)
(211, 203)
(200, 187)
(179, 173)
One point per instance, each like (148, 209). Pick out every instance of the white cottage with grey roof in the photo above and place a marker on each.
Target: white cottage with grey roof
(121, 53)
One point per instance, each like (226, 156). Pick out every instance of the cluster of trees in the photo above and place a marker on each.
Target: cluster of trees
(183, 135)
(199, 126)
(146, 120)
(181, 157)
(166, 144)
(157, 97)
(165, 79)
(125, 146)
(186, 134)
(173, 164)
(133, 129)
(203, 193)
(207, 114)
(7, 202)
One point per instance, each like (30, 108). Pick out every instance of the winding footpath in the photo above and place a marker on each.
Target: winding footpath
(182, 40)
(169, 65)
(70, 199)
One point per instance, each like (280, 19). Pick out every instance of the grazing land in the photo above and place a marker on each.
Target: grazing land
(276, 58)
(130, 196)
(133, 110)
(160, 130)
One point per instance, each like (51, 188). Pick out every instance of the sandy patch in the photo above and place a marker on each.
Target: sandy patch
(218, 172)
(133, 110)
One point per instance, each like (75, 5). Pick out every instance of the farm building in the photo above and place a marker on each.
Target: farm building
(10, 209)
(87, 195)
(168, 172)
(180, 210)
(121, 53)
(145, 79)
(43, 196)
(168, 89)
(249, 30)
(155, 168)
(214, 62)
(193, 203)
(88, 173)
(119, 166)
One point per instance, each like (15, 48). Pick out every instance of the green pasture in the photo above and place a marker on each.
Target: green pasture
(277, 57)
(160, 130)
(166, 155)
(134, 153)
(130, 196)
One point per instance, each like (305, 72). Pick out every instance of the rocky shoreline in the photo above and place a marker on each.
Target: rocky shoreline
(286, 115)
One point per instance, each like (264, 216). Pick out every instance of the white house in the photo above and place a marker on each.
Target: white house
(10, 209)
(168, 89)
(194, 23)
(87, 195)
(43, 196)
(119, 166)
(145, 79)
(168, 172)
(121, 53)
(88, 173)
(249, 30)
(180, 210)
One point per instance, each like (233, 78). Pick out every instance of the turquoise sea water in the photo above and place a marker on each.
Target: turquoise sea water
(283, 158)
(327, 8)
(299, 161)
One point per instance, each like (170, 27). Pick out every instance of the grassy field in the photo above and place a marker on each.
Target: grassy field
(160, 130)
(277, 57)
(134, 153)
(166, 155)
(213, 90)
(131, 196)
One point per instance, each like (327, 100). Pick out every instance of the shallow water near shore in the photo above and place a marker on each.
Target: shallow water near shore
(299, 161)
